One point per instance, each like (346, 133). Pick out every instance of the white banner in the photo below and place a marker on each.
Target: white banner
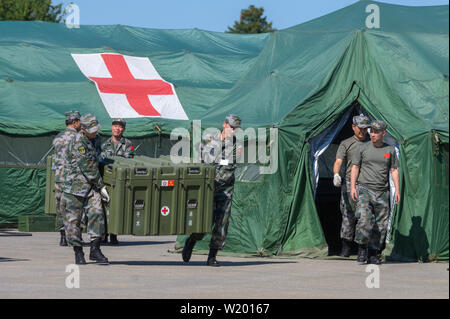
(130, 87)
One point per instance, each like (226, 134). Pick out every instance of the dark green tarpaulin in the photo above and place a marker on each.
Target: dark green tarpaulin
(300, 80)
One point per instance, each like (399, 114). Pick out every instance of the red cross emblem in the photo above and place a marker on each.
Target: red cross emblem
(130, 86)
(165, 211)
(136, 90)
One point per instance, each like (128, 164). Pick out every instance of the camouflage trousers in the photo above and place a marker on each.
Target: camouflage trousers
(348, 208)
(221, 220)
(59, 221)
(372, 212)
(72, 207)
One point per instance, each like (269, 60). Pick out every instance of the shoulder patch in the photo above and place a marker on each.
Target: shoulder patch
(82, 150)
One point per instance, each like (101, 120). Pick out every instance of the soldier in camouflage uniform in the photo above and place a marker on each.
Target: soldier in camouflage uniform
(83, 190)
(60, 144)
(96, 142)
(371, 166)
(216, 149)
(344, 156)
(117, 145)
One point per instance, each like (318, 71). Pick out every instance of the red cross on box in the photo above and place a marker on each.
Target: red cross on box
(165, 211)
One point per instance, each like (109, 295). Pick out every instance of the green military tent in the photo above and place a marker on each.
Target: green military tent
(387, 61)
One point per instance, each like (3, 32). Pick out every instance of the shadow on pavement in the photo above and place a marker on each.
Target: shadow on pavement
(5, 259)
(8, 233)
(139, 243)
(195, 263)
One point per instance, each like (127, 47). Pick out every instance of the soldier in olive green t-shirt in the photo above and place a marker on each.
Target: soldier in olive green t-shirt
(374, 173)
(344, 157)
(371, 166)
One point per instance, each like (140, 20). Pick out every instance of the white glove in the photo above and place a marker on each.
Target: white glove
(337, 180)
(104, 193)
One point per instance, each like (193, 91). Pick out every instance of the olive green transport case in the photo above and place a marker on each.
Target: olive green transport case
(155, 197)
(152, 196)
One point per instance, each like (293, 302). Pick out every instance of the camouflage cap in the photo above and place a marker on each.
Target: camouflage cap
(233, 120)
(378, 125)
(119, 121)
(89, 123)
(72, 116)
(361, 121)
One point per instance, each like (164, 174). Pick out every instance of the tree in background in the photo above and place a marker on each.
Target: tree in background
(251, 21)
(26, 10)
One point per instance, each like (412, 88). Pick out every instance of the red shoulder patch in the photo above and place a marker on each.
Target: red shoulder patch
(386, 155)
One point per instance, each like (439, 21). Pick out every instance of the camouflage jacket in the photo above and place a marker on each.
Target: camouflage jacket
(59, 156)
(225, 159)
(82, 173)
(123, 148)
(97, 142)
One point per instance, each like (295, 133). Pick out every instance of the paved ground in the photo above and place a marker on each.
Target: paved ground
(34, 266)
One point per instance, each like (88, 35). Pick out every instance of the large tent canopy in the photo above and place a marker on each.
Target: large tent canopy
(300, 80)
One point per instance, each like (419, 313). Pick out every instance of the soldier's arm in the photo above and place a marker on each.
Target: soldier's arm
(353, 178)
(88, 165)
(396, 179)
(103, 153)
(337, 166)
(340, 155)
(55, 153)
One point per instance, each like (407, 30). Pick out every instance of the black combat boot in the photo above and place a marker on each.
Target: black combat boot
(212, 258)
(362, 253)
(63, 241)
(79, 255)
(96, 254)
(105, 239)
(346, 248)
(373, 257)
(113, 239)
(187, 249)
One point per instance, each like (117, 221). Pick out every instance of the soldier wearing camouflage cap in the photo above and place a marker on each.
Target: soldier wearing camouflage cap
(372, 164)
(233, 120)
(83, 189)
(378, 125)
(117, 145)
(225, 159)
(58, 162)
(344, 156)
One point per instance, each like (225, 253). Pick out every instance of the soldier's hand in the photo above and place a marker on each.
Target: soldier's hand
(397, 198)
(354, 194)
(337, 180)
(104, 194)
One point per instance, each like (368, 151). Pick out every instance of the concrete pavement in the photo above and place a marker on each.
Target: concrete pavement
(34, 266)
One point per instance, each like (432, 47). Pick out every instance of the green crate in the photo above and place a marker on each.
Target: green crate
(155, 197)
(36, 223)
(115, 179)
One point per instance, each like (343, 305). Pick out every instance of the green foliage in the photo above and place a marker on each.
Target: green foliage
(26, 10)
(252, 21)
